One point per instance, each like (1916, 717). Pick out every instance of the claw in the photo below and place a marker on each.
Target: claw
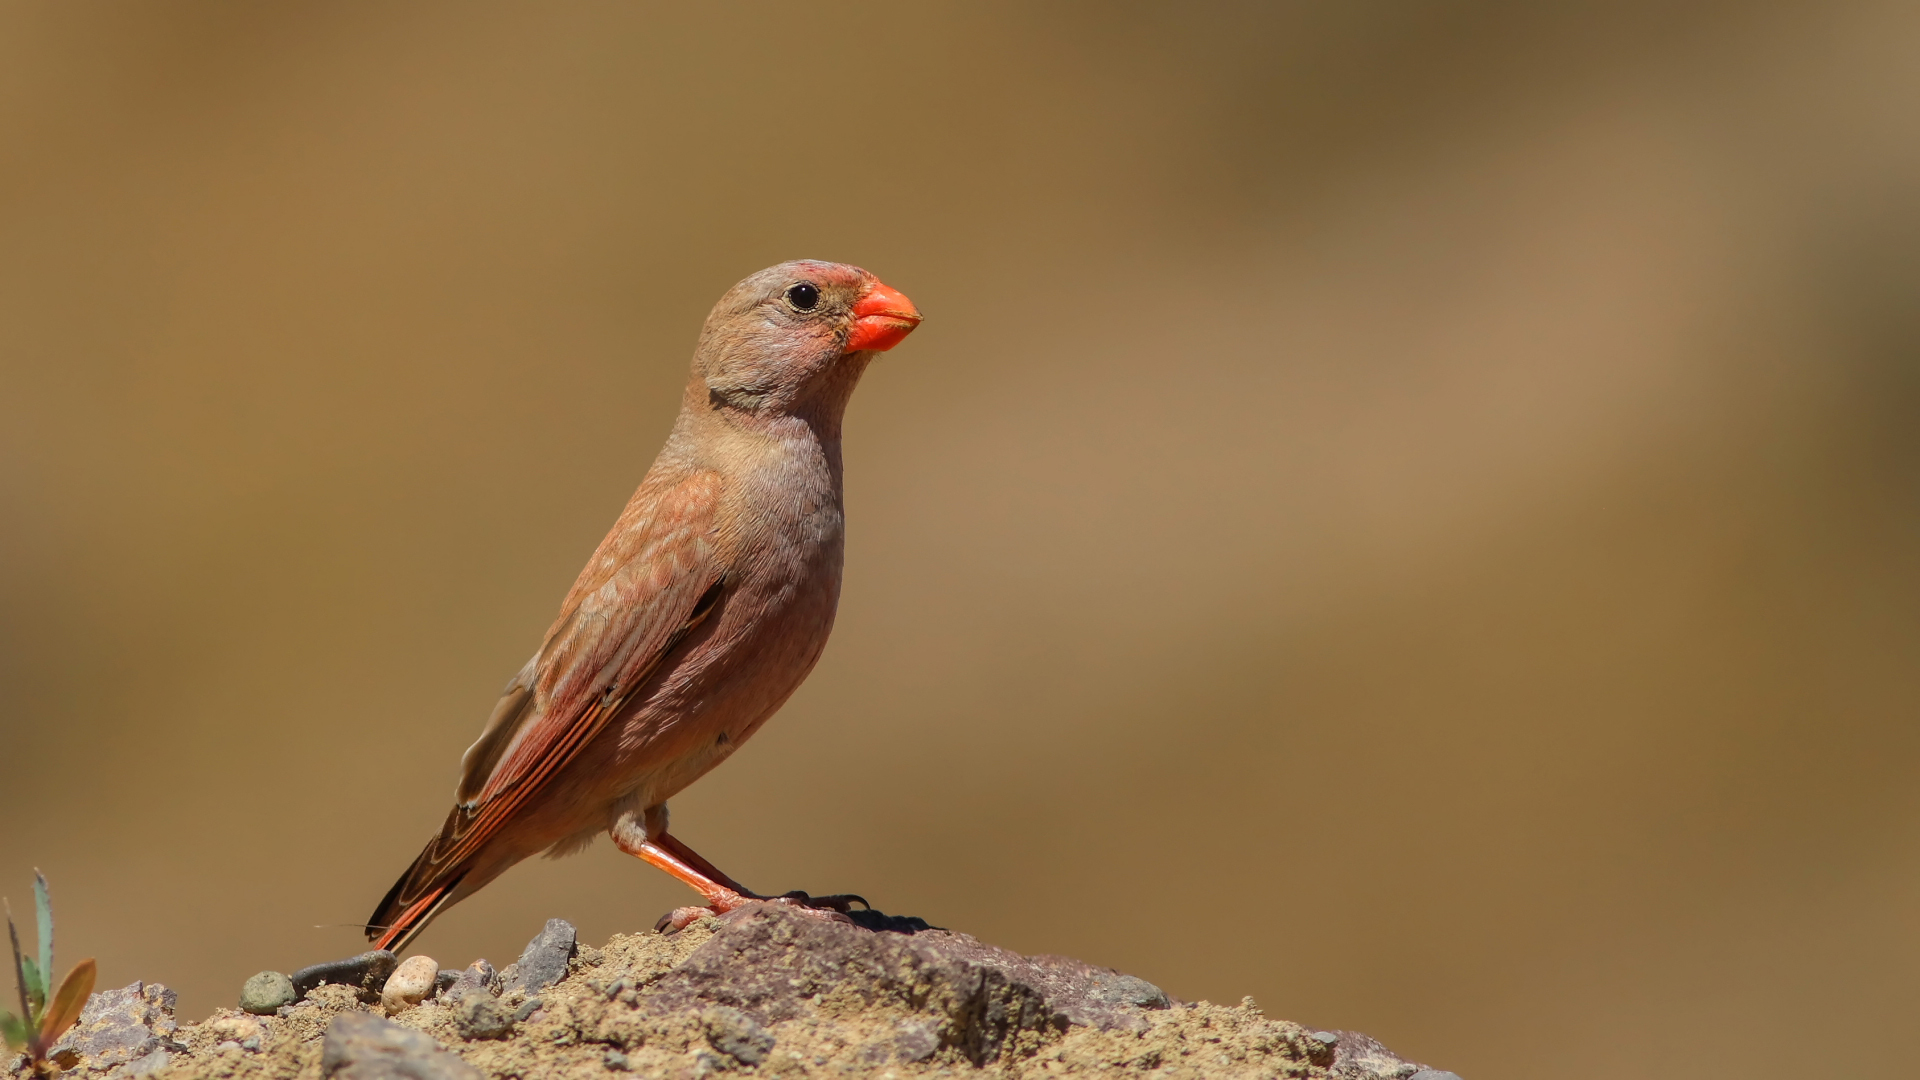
(680, 918)
(841, 902)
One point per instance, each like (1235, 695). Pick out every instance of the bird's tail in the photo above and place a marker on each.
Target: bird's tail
(420, 894)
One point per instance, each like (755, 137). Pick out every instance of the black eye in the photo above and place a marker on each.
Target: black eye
(803, 296)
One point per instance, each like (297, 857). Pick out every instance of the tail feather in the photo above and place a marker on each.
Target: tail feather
(421, 892)
(395, 935)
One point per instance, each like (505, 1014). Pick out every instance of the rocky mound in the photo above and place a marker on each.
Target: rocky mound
(764, 991)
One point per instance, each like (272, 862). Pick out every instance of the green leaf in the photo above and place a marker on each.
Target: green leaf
(36, 983)
(43, 913)
(13, 1030)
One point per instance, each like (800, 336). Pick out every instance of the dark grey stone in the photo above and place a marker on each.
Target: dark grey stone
(735, 1034)
(366, 973)
(545, 960)
(481, 1016)
(527, 1008)
(478, 977)
(266, 992)
(361, 1046)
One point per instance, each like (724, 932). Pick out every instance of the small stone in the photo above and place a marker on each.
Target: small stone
(237, 1027)
(410, 984)
(366, 973)
(1327, 1037)
(615, 1060)
(527, 1008)
(545, 960)
(1434, 1074)
(706, 1064)
(479, 977)
(736, 1035)
(361, 1046)
(266, 992)
(1117, 989)
(147, 1064)
(481, 1016)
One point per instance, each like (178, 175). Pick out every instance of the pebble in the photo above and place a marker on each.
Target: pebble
(237, 1028)
(1434, 1074)
(615, 1060)
(545, 960)
(366, 973)
(479, 976)
(1117, 989)
(480, 1016)
(410, 984)
(266, 992)
(736, 1035)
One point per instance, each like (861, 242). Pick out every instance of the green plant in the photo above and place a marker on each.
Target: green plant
(45, 1013)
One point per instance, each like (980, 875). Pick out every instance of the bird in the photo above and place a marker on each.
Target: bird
(698, 615)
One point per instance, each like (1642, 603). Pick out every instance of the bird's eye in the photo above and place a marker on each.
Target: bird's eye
(803, 296)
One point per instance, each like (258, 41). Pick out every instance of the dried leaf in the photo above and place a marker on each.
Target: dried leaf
(19, 972)
(67, 1003)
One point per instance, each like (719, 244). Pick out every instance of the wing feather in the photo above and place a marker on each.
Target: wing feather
(650, 582)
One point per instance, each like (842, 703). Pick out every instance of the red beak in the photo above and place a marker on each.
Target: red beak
(881, 319)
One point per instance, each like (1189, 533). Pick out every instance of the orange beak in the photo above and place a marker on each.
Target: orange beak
(881, 319)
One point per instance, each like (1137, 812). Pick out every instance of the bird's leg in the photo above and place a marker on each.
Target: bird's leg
(721, 892)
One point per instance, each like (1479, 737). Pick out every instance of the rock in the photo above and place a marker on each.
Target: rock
(1361, 1057)
(545, 960)
(481, 1016)
(234, 1027)
(705, 1064)
(734, 1034)
(361, 1046)
(410, 984)
(767, 991)
(1110, 988)
(146, 1064)
(366, 973)
(479, 976)
(120, 1027)
(1434, 1074)
(266, 992)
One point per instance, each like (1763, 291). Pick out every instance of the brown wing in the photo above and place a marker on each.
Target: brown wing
(651, 581)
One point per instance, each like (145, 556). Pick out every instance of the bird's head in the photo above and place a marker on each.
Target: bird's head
(780, 338)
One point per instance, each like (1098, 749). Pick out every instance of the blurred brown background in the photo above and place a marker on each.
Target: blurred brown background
(1409, 511)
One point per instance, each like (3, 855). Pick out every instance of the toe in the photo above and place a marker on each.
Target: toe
(680, 918)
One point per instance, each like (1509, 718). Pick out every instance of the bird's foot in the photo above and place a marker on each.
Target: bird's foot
(826, 907)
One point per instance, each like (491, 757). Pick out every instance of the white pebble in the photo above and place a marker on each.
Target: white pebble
(409, 984)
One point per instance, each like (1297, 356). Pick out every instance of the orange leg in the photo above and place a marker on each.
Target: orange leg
(721, 892)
